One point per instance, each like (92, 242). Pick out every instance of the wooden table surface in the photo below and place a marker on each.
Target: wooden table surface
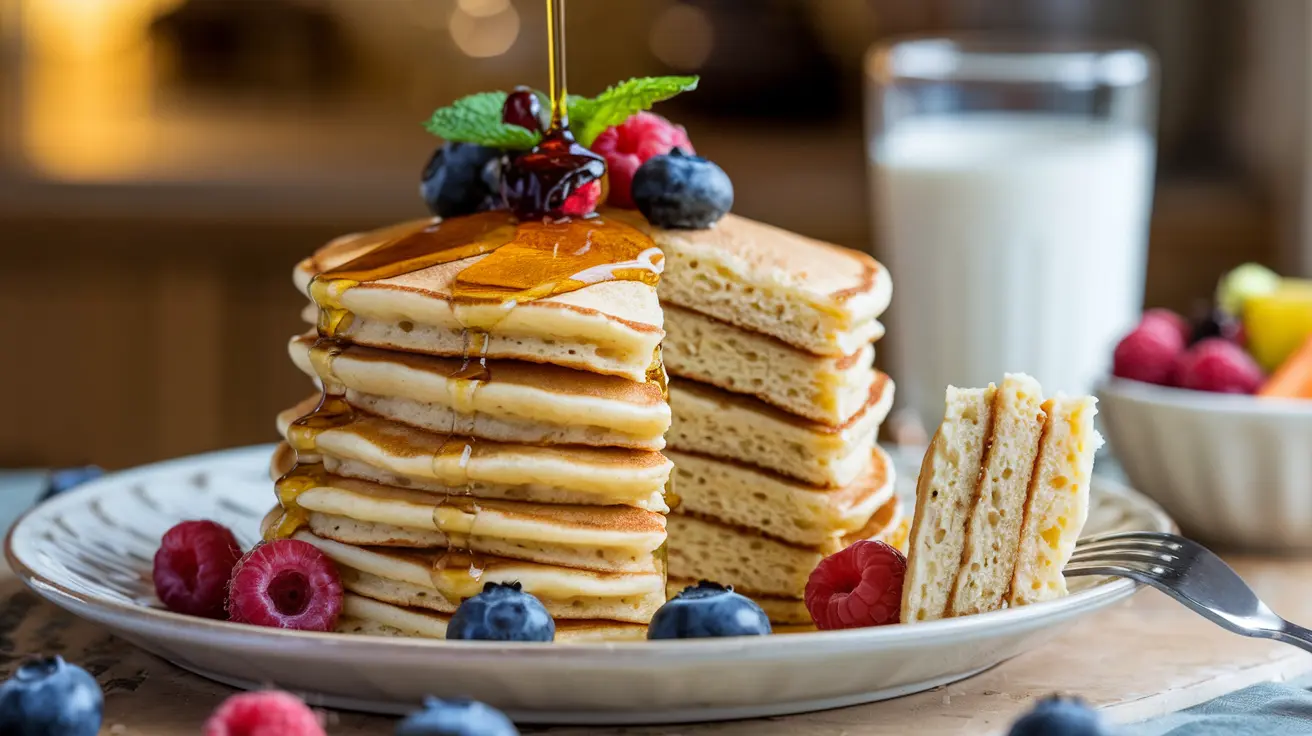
(1144, 658)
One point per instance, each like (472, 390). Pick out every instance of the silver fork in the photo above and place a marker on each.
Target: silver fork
(1189, 573)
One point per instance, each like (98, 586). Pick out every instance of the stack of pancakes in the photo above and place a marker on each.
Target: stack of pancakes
(527, 450)
(776, 408)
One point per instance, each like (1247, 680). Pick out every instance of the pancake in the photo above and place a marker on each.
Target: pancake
(607, 538)
(486, 469)
(779, 507)
(829, 390)
(439, 581)
(361, 615)
(701, 549)
(517, 402)
(746, 430)
(993, 528)
(780, 610)
(1001, 500)
(945, 494)
(821, 298)
(612, 327)
(1058, 503)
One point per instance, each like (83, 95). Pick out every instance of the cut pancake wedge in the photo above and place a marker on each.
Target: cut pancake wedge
(439, 581)
(993, 527)
(777, 506)
(516, 401)
(482, 468)
(611, 327)
(1059, 502)
(1001, 500)
(713, 422)
(945, 493)
(823, 389)
(370, 617)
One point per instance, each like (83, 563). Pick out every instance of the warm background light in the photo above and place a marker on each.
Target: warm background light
(88, 85)
(682, 37)
(484, 28)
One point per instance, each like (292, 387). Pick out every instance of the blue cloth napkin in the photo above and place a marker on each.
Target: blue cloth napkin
(1269, 709)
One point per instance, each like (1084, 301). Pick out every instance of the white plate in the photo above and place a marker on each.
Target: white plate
(90, 552)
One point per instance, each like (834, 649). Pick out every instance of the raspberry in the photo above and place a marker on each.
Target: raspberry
(859, 586)
(1220, 366)
(1149, 353)
(286, 584)
(193, 566)
(583, 201)
(628, 145)
(265, 713)
(1176, 321)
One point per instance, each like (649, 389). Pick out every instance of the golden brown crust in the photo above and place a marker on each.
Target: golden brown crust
(547, 377)
(755, 404)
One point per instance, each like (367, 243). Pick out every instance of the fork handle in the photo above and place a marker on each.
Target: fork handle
(1294, 634)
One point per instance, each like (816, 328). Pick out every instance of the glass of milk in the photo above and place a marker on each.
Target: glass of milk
(1012, 185)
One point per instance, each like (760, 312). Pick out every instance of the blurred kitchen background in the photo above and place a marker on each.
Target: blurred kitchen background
(164, 163)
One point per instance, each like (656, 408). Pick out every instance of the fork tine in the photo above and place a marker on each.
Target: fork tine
(1141, 536)
(1125, 554)
(1134, 571)
(1112, 545)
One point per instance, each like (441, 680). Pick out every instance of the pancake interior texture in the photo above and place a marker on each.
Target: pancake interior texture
(1001, 500)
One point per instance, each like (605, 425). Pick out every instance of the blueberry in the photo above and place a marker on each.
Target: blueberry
(705, 610)
(70, 478)
(49, 697)
(502, 613)
(456, 718)
(681, 191)
(1057, 716)
(1215, 323)
(455, 183)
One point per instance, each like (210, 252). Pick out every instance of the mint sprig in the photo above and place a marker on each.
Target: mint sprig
(588, 118)
(477, 118)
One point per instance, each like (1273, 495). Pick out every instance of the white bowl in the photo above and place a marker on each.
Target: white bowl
(1235, 471)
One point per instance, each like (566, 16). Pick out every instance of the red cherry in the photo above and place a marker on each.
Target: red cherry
(523, 108)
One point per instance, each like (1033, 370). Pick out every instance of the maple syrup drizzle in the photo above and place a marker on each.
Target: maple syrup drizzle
(523, 258)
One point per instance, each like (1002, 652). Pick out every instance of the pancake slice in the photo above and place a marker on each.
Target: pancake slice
(483, 468)
(369, 617)
(828, 390)
(1058, 503)
(606, 538)
(779, 507)
(818, 297)
(440, 581)
(702, 549)
(1021, 470)
(612, 327)
(993, 528)
(729, 426)
(516, 402)
(945, 493)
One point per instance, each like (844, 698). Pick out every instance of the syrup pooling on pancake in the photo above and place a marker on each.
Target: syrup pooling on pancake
(522, 262)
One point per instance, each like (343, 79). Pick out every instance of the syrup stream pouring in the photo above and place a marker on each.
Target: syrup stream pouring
(1191, 574)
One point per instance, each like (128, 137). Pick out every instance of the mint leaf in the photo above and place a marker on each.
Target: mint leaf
(477, 119)
(588, 118)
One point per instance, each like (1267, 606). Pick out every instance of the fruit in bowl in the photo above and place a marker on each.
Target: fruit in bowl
(1231, 469)
(1256, 340)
